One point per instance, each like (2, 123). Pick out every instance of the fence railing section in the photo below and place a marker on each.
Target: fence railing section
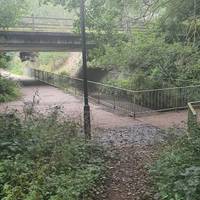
(133, 102)
(44, 24)
(53, 24)
(193, 110)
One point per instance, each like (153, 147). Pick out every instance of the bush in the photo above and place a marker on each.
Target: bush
(177, 173)
(51, 61)
(9, 90)
(42, 157)
(5, 58)
(147, 61)
(16, 66)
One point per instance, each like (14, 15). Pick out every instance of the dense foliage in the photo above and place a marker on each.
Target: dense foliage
(9, 90)
(11, 11)
(44, 158)
(4, 60)
(52, 61)
(166, 53)
(147, 61)
(177, 172)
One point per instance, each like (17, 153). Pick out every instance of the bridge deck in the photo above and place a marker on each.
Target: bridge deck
(41, 41)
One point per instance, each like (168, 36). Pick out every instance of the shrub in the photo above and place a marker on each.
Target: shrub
(147, 61)
(16, 66)
(4, 60)
(177, 173)
(43, 158)
(9, 90)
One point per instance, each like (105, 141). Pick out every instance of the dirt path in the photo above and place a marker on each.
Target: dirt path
(129, 178)
(132, 149)
(132, 142)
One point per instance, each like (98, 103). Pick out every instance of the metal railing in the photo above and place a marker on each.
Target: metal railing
(193, 115)
(53, 24)
(132, 102)
(44, 24)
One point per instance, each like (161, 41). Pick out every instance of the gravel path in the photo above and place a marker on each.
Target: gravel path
(132, 149)
(138, 135)
(129, 178)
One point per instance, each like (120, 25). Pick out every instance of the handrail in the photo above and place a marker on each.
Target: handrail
(192, 116)
(34, 19)
(133, 102)
(47, 18)
(191, 108)
(128, 90)
(40, 24)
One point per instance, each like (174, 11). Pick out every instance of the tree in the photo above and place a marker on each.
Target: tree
(10, 12)
(179, 19)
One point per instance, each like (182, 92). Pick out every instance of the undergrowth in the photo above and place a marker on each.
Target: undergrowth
(177, 173)
(45, 158)
(9, 90)
(16, 66)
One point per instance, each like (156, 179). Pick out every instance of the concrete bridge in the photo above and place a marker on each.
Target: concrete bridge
(40, 41)
(34, 34)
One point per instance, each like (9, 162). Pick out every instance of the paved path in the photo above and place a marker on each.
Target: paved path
(72, 106)
(101, 117)
(166, 120)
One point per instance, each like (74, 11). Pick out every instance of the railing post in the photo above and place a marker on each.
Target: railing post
(75, 92)
(177, 95)
(33, 22)
(192, 118)
(34, 73)
(134, 111)
(43, 76)
(114, 101)
(98, 97)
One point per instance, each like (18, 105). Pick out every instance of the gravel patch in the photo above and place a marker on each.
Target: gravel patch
(138, 134)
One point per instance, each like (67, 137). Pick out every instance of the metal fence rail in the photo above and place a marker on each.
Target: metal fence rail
(133, 102)
(193, 118)
(54, 24)
(44, 24)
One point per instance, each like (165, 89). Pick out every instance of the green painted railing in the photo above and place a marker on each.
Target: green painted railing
(129, 101)
(193, 115)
